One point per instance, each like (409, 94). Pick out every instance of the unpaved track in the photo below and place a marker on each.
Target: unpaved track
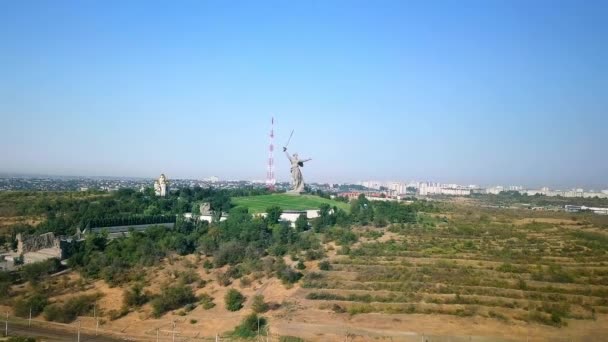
(52, 334)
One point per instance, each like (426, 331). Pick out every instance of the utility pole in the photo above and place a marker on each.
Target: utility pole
(29, 323)
(79, 321)
(96, 325)
(173, 331)
(217, 338)
(6, 325)
(157, 332)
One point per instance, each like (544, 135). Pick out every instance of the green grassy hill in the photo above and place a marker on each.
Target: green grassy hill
(259, 204)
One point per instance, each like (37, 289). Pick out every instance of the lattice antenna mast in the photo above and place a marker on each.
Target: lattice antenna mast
(270, 180)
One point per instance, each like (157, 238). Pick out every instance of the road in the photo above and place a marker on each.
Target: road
(53, 335)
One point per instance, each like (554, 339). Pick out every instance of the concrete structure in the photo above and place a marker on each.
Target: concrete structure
(161, 186)
(292, 215)
(31, 249)
(577, 208)
(120, 231)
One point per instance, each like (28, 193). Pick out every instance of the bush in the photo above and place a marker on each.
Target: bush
(36, 303)
(189, 277)
(324, 265)
(288, 275)
(300, 265)
(258, 304)
(72, 308)
(21, 339)
(229, 253)
(234, 300)
(33, 272)
(245, 282)
(250, 326)
(290, 339)
(223, 278)
(134, 296)
(172, 298)
(207, 301)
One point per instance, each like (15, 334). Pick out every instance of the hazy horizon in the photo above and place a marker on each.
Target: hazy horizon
(511, 93)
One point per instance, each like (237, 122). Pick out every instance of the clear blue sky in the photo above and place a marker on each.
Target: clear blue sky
(484, 92)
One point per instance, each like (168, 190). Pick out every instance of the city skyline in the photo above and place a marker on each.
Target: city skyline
(477, 93)
(365, 182)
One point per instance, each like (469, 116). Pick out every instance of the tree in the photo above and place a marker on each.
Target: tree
(301, 223)
(274, 214)
(234, 300)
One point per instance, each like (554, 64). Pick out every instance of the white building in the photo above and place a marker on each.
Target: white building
(427, 189)
(372, 184)
(397, 188)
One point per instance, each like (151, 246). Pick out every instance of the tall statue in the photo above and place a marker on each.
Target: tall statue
(161, 186)
(296, 175)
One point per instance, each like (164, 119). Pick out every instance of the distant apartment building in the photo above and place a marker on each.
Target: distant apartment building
(372, 184)
(397, 188)
(426, 189)
(566, 193)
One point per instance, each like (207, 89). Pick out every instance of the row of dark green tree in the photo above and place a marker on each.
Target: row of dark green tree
(64, 212)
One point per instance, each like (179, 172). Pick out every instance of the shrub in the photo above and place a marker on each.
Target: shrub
(250, 326)
(300, 265)
(324, 265)
(224, 279)
(234, 300)
(338, 308)
(172, 298)
(245, 282)
(33, 272)
(288, 275)
(258, 305)
(36, 303)
(290, 339)
(134, 296)
(189, 276)
(116, 314)
(229, 253)
(360, 309)
(72, 308)
(207, 301)
(21, 339)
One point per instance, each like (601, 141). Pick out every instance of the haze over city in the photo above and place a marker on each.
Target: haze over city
(477, 93)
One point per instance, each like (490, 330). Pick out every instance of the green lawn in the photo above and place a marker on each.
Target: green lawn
(259, 204)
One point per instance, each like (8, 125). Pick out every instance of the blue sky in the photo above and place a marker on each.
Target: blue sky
(482, 92)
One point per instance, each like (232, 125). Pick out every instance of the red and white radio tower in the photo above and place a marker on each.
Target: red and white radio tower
(270, 180)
